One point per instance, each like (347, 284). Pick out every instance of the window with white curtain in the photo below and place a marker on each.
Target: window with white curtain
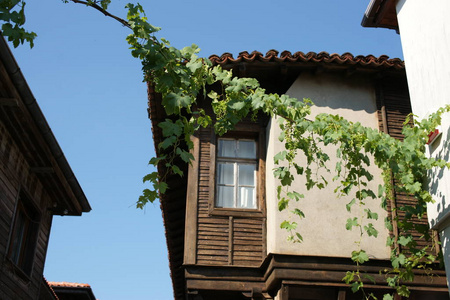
(236, 173)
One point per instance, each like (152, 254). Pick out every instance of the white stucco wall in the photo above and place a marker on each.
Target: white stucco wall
(323, 229)
(425, 35)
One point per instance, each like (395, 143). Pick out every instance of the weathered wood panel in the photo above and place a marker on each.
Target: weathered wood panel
(15, 176)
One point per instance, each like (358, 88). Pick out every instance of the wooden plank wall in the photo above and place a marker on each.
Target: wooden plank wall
(15, 175)
(224, 240)
(393, 106)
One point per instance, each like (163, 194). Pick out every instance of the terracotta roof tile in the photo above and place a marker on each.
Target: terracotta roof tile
(321, 57)
(68, 284)
(50, 288)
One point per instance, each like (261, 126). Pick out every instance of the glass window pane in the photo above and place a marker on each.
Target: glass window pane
(227, 148)
(247, 149)
(247, 174)
(18, 237)
(225, 196)
(225, 173)
(247, 198)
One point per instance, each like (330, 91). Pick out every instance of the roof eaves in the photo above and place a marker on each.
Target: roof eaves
(48, 286)
(24, 90)
(376, 12)
(72, 288)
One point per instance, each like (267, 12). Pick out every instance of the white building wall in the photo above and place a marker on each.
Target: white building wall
(425, 35)
(323, 229)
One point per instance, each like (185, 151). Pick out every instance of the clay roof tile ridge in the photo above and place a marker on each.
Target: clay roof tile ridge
(286, 54)
(272, 53)
(321, 57)
(68, 284)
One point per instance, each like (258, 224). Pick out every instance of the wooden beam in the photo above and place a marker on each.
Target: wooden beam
(284, 292)
(212, 170)
(42, 170)
(230, 240)
(198, 284)
(11, 102)
(190, 240)
(341, 294)
(327, 274)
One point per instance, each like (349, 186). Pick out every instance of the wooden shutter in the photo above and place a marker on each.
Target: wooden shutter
(394, 106)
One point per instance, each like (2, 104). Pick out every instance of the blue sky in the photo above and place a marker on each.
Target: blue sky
(90, 89)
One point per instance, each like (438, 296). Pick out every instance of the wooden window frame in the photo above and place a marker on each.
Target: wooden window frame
(247, 131)
(22, 256)
(237, 163)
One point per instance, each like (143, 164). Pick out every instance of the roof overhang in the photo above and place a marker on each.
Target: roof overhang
(381, 13)
(72, 291)
(24, 115)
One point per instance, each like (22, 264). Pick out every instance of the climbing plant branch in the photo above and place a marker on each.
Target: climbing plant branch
(102, 7)
(181, 77)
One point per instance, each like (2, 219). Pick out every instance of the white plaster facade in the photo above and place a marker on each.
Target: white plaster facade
(323, 228)
(425, 34)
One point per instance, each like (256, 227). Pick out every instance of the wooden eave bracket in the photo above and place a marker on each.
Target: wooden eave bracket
(194, 295)
(256, 294)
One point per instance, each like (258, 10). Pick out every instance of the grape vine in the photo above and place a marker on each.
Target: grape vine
(180, 76)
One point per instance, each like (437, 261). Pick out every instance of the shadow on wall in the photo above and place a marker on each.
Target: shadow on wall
(336, 94)
(436, 176)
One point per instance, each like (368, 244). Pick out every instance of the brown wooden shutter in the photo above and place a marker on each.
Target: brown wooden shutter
(394, 106)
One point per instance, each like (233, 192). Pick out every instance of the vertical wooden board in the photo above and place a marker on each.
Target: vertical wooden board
(230, 240)
(190, 240)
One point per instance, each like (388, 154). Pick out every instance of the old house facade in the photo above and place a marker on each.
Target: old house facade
(222, 222)
(36, 183)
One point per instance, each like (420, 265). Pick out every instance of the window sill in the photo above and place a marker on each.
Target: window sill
(236, 212)
(17, 271)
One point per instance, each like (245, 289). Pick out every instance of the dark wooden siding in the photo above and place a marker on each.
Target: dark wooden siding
(15, 175)
(393, 107)
(224, 240)
(248, 241)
